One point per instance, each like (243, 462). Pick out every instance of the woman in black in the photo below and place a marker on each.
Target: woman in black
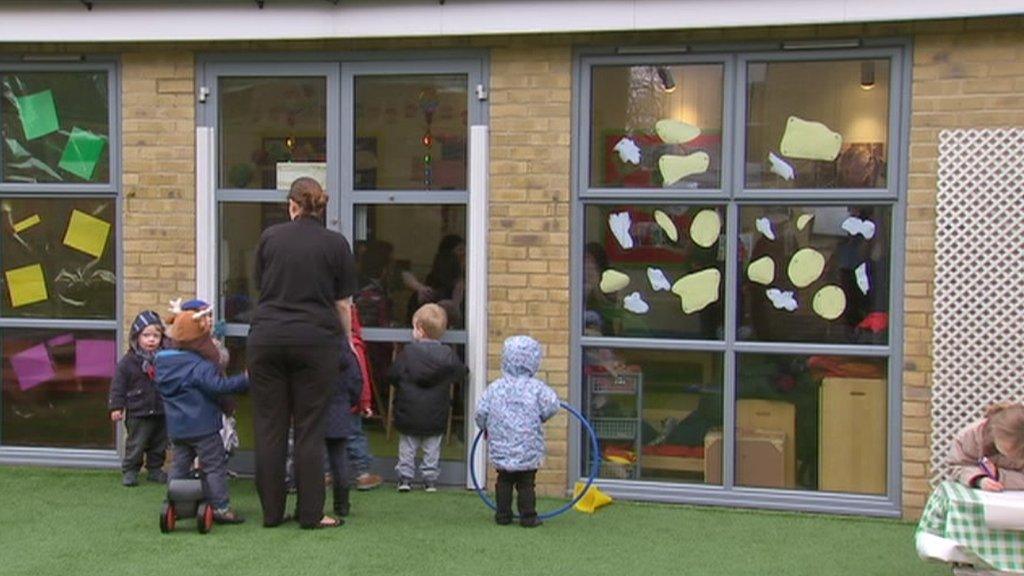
(306, 276)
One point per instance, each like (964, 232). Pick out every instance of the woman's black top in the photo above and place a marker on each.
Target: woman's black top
(302, 268)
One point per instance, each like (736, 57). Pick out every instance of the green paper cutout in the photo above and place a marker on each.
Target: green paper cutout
(38, 114)
(82, 153)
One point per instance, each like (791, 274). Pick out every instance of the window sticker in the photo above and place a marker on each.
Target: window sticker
(780, 167)
(810, 140)
(805, 267)
(674, 168)
(38, 114)
(628, 151)
(781, 299)
(696, 291)
(32, 367)
(27, 223)
(854, 226)
(26, 285)
(619, 223)
(803, 220)
(666, 224)
(87, 233)
(861, 274)
(762, 270)
(613, 281)
(82, 153)
(705, 228)
(675, 132)
(659, 283)
(764, 226)
(95, 358)
(635, 304)
(829, 302)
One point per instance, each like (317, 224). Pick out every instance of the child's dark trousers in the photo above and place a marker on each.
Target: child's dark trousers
(524, 482)
(147, 435)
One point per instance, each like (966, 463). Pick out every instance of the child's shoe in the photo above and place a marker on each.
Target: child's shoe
(502, 519)
(367, 481)
(532, 522)
(158, 476)
(404, 485)
(130, 478)
(429, 487)
(227, 516)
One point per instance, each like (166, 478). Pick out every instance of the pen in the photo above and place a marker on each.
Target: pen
(988, 468)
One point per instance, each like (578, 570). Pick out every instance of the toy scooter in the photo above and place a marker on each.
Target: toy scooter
(185, 499)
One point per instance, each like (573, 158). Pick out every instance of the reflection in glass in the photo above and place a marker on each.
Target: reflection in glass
(407, 256)
(643, 115)
(55, 127)
(58, 258)
(830, 280)
(242, 402)
(850, 98)
(241, 224)
(272, 131)
(657, 414)
(640, 282)
(411, 132)
(55, 385)
(811, 422)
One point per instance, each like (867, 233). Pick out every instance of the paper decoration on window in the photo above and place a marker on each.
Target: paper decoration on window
(697, 290)
(26, 285)
(780, 167)
(829, 302)
(628, 151)
(95, 358)
(635, 304)
(82, 153)
(674, 168)
(62, 340)
(32, 366)
(861, 274)
(666, 224)
(705, 228)
(34, 164)
(87, 233)
(809, 140)
(619, 224)
(781, 299)
(805, 267)
(764, 226)
(38, 114)
(613, 281)
(675, 132)
(803, 220)
(762, 270)
(27, 223)
(17, 150)
(659, 282)
(854, 226)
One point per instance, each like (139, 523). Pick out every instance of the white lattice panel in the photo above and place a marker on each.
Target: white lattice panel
(979, 280)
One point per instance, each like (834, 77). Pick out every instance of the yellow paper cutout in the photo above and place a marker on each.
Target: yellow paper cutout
(705, 228)
(87, 233)
(810, 140)
(613, 281)
(26, 285)
(697, 290)
(666, 224)
(762, 270)
(803, 220)
(829, 302)
(676, 132)
(675, 168)
(27, 223)
(805, 267)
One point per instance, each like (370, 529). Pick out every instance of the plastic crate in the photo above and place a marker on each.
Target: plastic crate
(617, 471)
(615, 429)
(614, 384)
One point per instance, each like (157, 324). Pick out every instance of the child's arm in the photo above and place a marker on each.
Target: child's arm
(963, 462)
(483, 409)
(213, 384)
(118, 391)
(548, 401)
(1011, 479)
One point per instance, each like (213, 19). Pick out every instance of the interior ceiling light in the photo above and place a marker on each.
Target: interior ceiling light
(867, 75)
(668, 83)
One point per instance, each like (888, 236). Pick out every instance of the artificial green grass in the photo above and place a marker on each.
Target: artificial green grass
(84, 523)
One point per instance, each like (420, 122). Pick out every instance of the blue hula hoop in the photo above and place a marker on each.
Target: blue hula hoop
(595, 465)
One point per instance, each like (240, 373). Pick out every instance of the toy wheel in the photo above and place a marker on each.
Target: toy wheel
(204, 518)
(168, 516)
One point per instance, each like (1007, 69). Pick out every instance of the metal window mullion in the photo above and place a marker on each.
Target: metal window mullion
(803, 349)
(652, 344)
(729, 364)
(385, 197)
(58, 324)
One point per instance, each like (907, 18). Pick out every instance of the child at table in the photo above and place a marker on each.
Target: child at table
(989, 454)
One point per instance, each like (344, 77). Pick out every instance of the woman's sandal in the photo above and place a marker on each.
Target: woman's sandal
(326, 522)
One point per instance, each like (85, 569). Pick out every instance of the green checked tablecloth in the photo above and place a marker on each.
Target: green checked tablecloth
(955, 511)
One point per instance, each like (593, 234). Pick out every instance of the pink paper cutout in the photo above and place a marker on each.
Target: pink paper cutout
(61, 340)
(95, 358)
(32, 366)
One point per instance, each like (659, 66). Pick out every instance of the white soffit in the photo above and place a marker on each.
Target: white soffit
(112, 21)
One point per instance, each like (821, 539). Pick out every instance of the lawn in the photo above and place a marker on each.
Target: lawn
(84, 523)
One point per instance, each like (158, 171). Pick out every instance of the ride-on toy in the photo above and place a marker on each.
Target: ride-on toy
(185, 499)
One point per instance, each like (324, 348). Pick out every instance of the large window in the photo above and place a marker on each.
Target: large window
(733, 271)
(58, 253)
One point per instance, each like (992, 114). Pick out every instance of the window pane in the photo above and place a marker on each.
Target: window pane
(55, 127)
(817, 124)
(407, 256)
(811, 423)
(411, 132)
(639, 281)
(272, 131)
(55, 385)
(241, 224)
(824, 278)
(58, 258)
(657, 414)
(656, 126)
(243, 402)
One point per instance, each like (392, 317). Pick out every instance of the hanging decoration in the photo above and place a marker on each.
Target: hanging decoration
(428, 102)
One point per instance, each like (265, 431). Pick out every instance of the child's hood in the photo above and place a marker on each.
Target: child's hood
(144, 319)
(521, 357)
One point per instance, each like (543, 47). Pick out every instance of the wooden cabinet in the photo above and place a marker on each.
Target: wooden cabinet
(853, 431)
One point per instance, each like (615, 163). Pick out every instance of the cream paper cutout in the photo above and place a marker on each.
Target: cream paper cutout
(697, 290)
(781, 299)
(619, 224)
(613, 281)
(854, 226)
(780, 167)
(829, 302)
(762, 270)
(667, 225)
(810, 140)
(863, 282)
(659, 282)
(628, 151)
(803, 220)
(675, 132)
(675, 168)
(805, 267)
(635, 304)
(705, 228)
(764, 226)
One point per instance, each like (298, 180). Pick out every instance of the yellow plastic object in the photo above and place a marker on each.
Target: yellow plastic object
(810, 140)
(592, 500)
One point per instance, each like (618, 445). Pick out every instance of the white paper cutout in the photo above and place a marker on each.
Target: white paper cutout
(635, 304)
(829, 302)
(705, 228)
(780, 167)
(619, 224)
(805, 267)
(854, 226)
(658, 280)
(674, 168)
(809, 140)
(762, 270)
(803, 220)
(697, 290)
(613, 281)
(675, 132)
(667, 225)
(764, 226)
(781, 299)
(863, 282)
(628, 151)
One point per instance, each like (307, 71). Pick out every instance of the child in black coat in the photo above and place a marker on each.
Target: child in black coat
(342, 415)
